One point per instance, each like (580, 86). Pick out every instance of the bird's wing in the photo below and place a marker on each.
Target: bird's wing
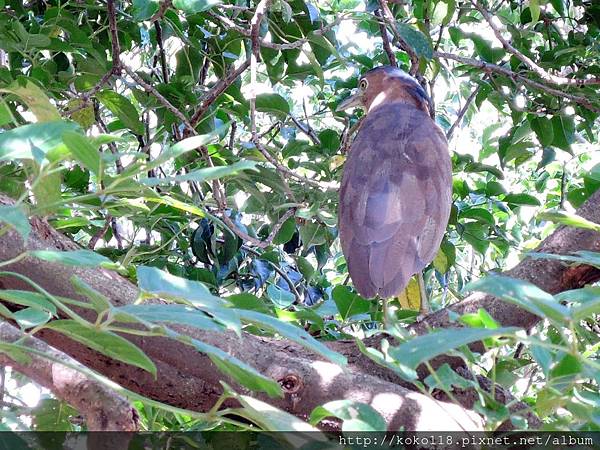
(395, 198)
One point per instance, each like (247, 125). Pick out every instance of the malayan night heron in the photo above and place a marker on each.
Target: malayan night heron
(396, 190)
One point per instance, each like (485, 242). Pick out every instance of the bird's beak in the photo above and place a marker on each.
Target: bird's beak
(350, 102)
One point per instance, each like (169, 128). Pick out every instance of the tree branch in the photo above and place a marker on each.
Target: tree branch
(103, 409)
(462, 112)
(544, 75)
(489, 68)
(385, 39)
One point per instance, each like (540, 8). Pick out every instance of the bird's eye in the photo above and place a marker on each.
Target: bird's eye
(363, 84)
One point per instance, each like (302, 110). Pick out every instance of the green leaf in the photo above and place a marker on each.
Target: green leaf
(273, 104)
(534, 7)
(348, 303)
(522, 294)
(416, 351)
(292, 333)
(417, 40)
(31, 317)
(312, 234)
(195, 6)
(446, 379)
(269, 418)
(188, 144)
(33, 141)
(16, 217)
(233, 367)
(280, 297)
(286, 232)
(121, 107)
(144, 9)
(98, 301)
(522, 199)
(157, 283)
(564, 132)
(52, 415)
(80, 258)
(28, 298)
(201, 175)
(105, 342)
(543, 130)
(177, 314)
(81, 148)
(569, 219)
(35, 98)
(581, 257)
(356, 416)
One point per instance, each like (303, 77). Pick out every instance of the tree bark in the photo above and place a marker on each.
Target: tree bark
(188, 379)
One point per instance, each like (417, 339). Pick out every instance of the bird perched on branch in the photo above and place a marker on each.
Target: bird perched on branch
(396, 190)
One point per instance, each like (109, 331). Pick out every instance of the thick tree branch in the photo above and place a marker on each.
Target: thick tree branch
(391, 22)
(103, 409)
(544, 75)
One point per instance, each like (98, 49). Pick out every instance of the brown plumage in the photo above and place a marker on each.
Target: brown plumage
(396, 188)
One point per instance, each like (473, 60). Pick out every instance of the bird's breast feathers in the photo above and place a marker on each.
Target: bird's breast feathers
(395, 198)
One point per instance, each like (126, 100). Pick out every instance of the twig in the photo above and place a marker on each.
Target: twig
(391, 21)
(166, 103)
(286, 46)
(86, 96)
(386, 40)
(100, 234)
(307, 131)
(488, 67)
(114, 36)
(462, 112)
(277, 269)
(162, 9)
(261, 9)
(544, 75)
(280, 167)
(161, 52)
(219, 87)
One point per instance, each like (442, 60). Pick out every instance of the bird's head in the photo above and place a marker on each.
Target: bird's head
(384, 85)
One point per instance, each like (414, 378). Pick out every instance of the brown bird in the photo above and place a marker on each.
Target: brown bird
(396, 188)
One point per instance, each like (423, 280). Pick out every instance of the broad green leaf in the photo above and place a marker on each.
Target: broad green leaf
(6, 115)
(81, 148)
(312, 234)
(543, 129)
(35, 98)
(105, 342)
(157, 283)
(98, 301)
(232, 366)
(446, 378)
(80, 258)
(33, 141)
(356, 416)
(522, 294)
(195, 6)
(572, 220)
(52, 415)
(16, 217)
(188, 144)
(292, 333)
(580, 257)
(417, 40)
(280, 297)
(274, 104)
(144, 9)
(522, 199)
(423, 348)
(269, 418)
(201, 175)
(172, 313)
(121, 107)
(348, 303)
(28, 298)
(31, 317)
(564, 132)
(583, 295)
(286, 232)
(534, 7)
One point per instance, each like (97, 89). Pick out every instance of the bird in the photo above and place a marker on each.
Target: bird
(396, 190)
